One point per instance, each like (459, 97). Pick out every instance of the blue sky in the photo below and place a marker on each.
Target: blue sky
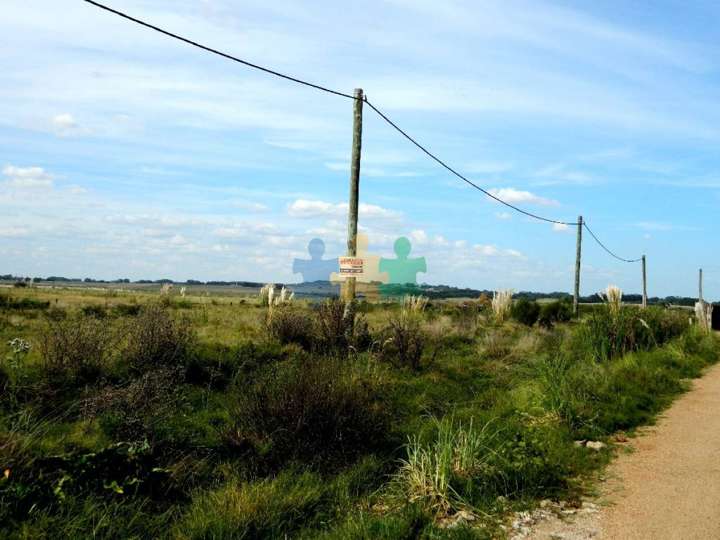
(126, 154)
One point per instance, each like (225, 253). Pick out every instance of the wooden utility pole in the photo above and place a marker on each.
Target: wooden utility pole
(578, 253)
(644, 274)
(700, 293)
(354, 188)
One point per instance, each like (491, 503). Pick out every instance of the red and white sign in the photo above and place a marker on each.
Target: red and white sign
(351, 266)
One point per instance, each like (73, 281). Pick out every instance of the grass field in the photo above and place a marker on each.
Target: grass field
(126, 414)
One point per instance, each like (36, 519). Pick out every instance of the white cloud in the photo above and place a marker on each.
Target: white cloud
(13, 232)
(559, 227)
(27, 177)
(513, 196)
(487, 250)
(503, 215)
(250, 206)
(304, 208)
(64, 124)
(419, 236)
(490, 250)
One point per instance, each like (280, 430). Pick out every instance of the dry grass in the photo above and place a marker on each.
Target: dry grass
(502, 304)
(613, 297)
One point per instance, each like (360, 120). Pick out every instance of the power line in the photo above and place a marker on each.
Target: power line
(463, 178)
(330, 91)
(606, 249)
(219, 53)
(349, 96)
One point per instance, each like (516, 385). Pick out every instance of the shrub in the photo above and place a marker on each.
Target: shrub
(611, 333)
(126, 310)
(340, 328)
(464, 316)
(74, 351)
(136, 411)
(155, 339)
(525, 311)
(555, 312)
(290, 325)
(8, 302)
(496, 344)
(312, 411)
(335, 325)
(98, 312)
(404, 341)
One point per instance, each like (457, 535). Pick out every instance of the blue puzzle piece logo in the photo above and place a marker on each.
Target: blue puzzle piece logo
(316, 268)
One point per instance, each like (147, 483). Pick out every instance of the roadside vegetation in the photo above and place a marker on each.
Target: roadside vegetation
(136, 415)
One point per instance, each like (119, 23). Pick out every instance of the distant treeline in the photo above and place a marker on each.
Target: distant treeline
(10, 277)
(431, 291)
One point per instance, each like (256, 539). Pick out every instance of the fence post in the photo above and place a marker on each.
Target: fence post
(578, 253)
(354, 188)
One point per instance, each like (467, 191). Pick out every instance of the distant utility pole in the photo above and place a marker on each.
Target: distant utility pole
(644, 275)
(578, 253)
(354, 188)
(700, 294)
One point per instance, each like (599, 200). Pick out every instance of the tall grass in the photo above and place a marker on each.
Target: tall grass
(502, 304)
(431, 472)
(613, 298)
(414, 304)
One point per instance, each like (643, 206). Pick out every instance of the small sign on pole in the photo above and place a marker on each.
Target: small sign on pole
(351, 266)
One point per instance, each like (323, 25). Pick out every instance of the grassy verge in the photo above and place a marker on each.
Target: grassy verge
(214, 418)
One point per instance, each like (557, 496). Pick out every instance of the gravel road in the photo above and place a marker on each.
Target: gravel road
(669, 487)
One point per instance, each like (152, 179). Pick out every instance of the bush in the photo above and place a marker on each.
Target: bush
(525, 311)
(8, 302)
(403, 341)
(339, 328)
(126, 310)
(98, 312)
(313, 411)
(611, 334)
(74, 351)
(156, 339)
(496, 344)
(288, 324)
(136, 411)
(555, 312)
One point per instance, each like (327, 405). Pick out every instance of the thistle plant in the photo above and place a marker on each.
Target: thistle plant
(501, 304)
(19, 349)
(613, 298)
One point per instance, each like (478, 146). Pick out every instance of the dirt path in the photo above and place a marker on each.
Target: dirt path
(668, 488)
